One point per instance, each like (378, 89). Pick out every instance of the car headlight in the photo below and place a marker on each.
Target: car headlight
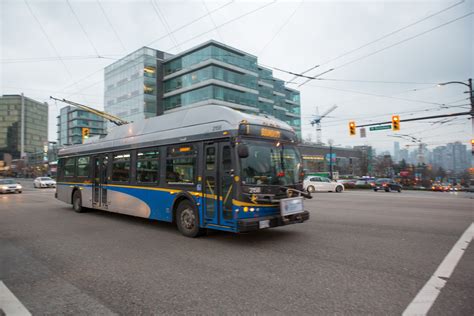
(4, 187)
(19, 186)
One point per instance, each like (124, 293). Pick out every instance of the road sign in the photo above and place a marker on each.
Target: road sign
(363, 133)
(380, 127)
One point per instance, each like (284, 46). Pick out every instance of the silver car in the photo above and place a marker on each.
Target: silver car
(44, 182)
(10, 186)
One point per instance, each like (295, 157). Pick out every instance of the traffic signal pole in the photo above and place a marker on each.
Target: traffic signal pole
(421, 118)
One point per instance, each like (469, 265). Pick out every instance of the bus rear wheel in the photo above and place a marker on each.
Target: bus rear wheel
(77, 202)
(187, 220)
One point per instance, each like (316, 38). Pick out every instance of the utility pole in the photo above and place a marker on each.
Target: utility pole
(22, 131)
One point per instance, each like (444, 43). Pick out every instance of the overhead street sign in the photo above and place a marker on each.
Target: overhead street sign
(380, 127)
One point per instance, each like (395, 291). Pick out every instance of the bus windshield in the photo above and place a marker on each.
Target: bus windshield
(270, 163)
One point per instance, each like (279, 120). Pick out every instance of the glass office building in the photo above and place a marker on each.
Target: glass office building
(72, 120)
(35, 129)
(149, 82)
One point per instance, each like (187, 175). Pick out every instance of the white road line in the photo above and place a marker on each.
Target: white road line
(426, 297)
(9, 304)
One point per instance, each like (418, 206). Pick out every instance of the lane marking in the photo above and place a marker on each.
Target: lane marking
(9, 304)
(426, 297)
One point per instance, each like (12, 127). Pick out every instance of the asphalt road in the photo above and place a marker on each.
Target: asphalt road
(360, 253)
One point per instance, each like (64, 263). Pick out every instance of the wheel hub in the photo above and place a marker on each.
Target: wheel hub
(187, 218)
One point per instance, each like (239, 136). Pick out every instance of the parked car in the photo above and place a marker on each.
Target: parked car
(44, 182)
(10, 186)
(347, 183)
(364, 182)
(441, 187)
(387, 185)
(313, 184)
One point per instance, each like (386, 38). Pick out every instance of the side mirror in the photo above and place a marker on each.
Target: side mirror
(243, 151)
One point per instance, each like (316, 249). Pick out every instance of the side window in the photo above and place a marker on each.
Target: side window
(226, 158)
(317, 179)
(121, 167)
(181, 164)
(148, 162)
(83, 166)
(313, 179)
(210, 158)
(69, 167)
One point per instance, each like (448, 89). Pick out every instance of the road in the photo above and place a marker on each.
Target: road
(360, 253)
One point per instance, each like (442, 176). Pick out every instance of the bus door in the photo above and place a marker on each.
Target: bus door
(99, 185)
(217, 183)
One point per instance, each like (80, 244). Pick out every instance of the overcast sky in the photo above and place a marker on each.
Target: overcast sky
(51, 48)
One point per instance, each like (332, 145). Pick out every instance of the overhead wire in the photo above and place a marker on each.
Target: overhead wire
(163, 20)
(191, 22)
(82, 27)
(48, 38)
(282, 26)
(396, 43)
(391, 33)
(227, 22)
(212, 20)
(111, 25)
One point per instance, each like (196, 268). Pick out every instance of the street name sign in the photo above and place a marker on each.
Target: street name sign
(380, 128)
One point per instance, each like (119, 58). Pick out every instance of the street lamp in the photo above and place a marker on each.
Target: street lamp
(471, 92)
(331, 144)
(471, 97)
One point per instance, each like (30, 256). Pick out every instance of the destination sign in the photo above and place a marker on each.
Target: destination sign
(269, 132)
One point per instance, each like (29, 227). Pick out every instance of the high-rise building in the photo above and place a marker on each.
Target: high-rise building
(149, 82)
(72, 120)
(23, 126)
(396, 151)
(452, 157)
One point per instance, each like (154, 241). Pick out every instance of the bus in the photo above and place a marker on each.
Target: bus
(207, 167)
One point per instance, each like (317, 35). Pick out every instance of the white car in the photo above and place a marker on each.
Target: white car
(44, 182)
(9, 186)
(314, 183)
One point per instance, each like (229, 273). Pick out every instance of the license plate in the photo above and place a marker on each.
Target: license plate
(264, 224)
(291, 206)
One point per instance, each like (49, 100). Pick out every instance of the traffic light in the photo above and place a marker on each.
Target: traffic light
(395, 122)
(352, 128)
(85, 132)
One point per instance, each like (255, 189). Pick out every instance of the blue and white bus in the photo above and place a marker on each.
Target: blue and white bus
(208, 167)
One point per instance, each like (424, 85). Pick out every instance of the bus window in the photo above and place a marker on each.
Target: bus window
(226, 182)
(69, 167)
(121, 167)
(181, 164)
(83, 166)
(148, 162)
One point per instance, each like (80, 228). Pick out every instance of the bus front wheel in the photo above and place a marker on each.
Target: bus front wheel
(187, 219)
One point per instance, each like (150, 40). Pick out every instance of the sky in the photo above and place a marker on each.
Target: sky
(387, 56)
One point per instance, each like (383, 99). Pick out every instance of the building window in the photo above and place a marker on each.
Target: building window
(121, 167)
(148, 162)
(181, 164)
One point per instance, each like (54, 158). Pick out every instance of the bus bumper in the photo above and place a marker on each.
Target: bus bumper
(250, 224)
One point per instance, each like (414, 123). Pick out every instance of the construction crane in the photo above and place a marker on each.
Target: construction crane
(112, 118)
(317, 121)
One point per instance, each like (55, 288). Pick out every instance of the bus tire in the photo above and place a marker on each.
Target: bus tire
(187, 219)
(77, 202)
